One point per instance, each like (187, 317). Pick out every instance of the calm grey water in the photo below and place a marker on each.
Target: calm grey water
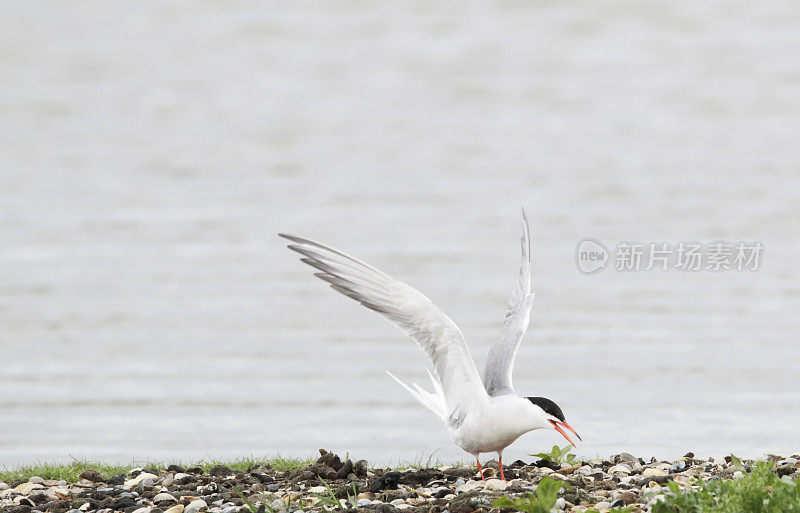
(150, 152)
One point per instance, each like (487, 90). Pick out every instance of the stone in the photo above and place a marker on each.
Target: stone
(360, 468)
(495, 485)
(602, 506)
(654, 472)
(26, 488)
(619, 469)
(469, 486)
(36, 479)
(138, 479)
(145, 509)
(195, 506)
(178, 508)
(220, 470)
(387, 481)
(92, 475)
(345, 471)
(362, 502)
(163, 497)
(318, 489)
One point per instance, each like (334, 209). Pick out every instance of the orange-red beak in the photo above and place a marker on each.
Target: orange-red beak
(557, 426)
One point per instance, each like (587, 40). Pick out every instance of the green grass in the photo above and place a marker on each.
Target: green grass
(759, 491)
(70, 471)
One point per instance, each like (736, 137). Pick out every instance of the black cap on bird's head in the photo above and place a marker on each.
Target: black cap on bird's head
(552, 409)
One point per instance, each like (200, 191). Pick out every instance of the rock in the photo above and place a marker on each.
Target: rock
(654, 472)
(195, 506)
(210, 489)
(220, 471)
(360, 468)
(36, 479)
(561, 503)
(678, 466)
(469, 486)
(318, 489)
(145, 509)
(346, 470)
(495, 485)
(544, 463)
(92, 475)
(619, 469)
(602, 506)
(163, 497)
(329, 459)
(3, 486)
(362, 502)
(473, 500)
(26, 488)
(178, 508)
(38, 497)
(387, 481)
(138, 479)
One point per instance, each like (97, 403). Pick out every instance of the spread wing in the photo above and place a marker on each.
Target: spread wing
(410, 310)
(500, 362)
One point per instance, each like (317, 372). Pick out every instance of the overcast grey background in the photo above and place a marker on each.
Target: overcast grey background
(150, 151)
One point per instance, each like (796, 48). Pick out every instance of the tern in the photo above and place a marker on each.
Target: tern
(482, 414)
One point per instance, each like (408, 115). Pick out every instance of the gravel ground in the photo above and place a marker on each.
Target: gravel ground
(622, 480)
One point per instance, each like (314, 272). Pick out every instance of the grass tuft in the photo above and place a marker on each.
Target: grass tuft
(70, 472)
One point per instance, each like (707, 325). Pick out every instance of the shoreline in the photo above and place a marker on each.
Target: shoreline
(621, 482)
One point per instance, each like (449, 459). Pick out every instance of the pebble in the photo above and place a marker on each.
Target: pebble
(36, 479)
(178, 508)
(164, 497)
(619, 469)
(495, 485)
(362, 502)
(602, 506)
(138, 479)
(26, 488)
(654, 472)
(469, 486)
(195, 506)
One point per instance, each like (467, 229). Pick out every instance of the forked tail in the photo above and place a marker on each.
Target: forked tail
(433, 401)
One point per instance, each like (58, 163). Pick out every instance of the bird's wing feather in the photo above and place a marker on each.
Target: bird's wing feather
(410, 310)
(500, 362)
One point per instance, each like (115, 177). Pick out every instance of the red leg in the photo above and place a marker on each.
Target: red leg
(480, 469)
(500, 464)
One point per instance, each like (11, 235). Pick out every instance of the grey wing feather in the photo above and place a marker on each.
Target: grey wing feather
(408, 309)
(500, 362)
